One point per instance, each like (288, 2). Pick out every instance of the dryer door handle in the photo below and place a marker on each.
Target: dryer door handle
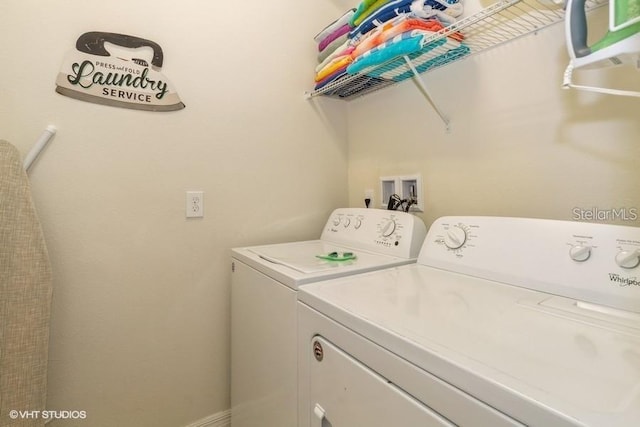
(318, 416)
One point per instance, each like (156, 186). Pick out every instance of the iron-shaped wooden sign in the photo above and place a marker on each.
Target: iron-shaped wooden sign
(129, 80)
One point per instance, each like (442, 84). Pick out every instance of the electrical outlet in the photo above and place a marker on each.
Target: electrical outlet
(195, 204)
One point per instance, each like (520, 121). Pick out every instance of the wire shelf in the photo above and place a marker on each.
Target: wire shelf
(499, 23)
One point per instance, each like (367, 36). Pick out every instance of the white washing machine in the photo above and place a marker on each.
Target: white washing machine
(501, 322)
(265, 282)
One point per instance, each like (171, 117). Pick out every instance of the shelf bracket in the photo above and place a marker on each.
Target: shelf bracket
(418, 80)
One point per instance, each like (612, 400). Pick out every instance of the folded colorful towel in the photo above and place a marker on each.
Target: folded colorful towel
(344, 19)
(332, 47)
(331, 37)
(400, 45)
(333, 77)
(362, 6)
(338, 53)
(430, 13)
(427, 8)
(385, 13)
(392, 29)
(366, 8)
(335, 65)
(345, 49)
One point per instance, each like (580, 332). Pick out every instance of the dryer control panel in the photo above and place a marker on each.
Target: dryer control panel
(387, 232)
(597, 263)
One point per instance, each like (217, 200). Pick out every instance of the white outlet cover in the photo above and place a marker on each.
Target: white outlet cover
(195, 204)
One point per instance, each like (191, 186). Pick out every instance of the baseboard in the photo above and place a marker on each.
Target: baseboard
(221, 419)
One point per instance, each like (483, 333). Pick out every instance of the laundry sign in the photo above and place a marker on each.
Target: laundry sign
(117, 70)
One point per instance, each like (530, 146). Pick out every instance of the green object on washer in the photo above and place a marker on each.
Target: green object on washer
(337, 256)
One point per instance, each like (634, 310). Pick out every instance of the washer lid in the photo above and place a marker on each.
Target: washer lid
(303, 256)
(310, 257)
(296, 263)
(513, 348)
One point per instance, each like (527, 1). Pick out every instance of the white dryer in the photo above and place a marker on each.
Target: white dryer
(264, 285)
(501, 322)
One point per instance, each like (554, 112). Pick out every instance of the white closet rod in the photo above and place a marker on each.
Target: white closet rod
(39, 146)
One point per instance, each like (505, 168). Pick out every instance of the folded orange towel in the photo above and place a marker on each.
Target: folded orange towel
(388, 31)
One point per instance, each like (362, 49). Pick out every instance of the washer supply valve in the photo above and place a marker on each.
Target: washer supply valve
(395, 203)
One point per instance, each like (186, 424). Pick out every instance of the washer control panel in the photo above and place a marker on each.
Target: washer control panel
(598, 263)
(389, 232)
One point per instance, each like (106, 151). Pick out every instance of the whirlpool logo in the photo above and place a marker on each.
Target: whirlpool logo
(623, 281)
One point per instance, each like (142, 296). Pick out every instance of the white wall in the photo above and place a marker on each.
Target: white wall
(519, 145)
(140, 324)
(140, 314)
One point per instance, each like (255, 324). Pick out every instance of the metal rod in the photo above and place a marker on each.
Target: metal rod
(39, 146)
(420, 83)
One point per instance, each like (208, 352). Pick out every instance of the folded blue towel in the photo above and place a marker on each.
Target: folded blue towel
(403, 44)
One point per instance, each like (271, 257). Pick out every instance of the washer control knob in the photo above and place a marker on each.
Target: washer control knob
(347, 221)
(628, 259)
(358, 223)
(455, 237)
(336, 221)
(580, 253)
(388, 228)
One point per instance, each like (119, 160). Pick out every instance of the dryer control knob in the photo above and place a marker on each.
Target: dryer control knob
(628, 259)
(388, 228)
(580, 253)
(358, 223)
(347, 221)
(336, 221)
(455, 237)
